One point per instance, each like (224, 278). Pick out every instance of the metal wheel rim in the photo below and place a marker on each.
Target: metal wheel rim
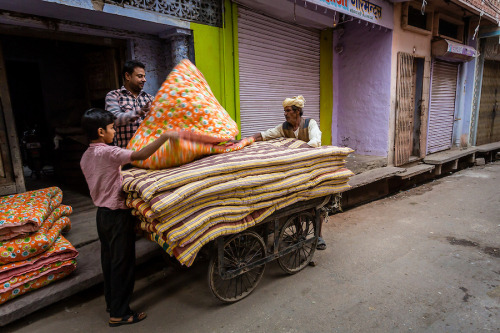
(243, 248)
(296, 229)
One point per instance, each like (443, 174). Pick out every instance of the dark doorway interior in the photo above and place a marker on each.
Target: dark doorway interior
(418, 70)
(51, 84)
(27, 102)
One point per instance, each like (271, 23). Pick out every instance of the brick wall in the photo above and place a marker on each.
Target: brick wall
(480, 5)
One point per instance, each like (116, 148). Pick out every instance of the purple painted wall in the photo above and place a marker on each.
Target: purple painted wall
(363, 71)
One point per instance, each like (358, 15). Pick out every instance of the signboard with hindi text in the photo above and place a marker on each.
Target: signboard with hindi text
(375, 11)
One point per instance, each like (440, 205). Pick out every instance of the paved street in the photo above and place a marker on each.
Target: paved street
(424, 260)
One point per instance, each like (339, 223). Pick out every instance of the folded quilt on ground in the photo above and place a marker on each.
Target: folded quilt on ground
(14, 274)
(185, 103)
(24, 247)
(56, 272)
(25, 212)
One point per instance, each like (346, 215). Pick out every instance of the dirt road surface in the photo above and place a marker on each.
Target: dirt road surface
(424, 260)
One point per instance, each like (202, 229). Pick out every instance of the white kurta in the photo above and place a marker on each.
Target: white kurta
(277, 132)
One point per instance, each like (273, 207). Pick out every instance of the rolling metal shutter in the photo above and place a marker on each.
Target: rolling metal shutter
(276, 60)
(442, 105)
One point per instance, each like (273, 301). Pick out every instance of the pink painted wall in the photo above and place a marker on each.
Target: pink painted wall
(362, 88)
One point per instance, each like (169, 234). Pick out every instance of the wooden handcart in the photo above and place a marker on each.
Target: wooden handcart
(289, 235)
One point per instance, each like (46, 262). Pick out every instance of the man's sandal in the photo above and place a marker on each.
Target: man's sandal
(128, 320)
(321, 244)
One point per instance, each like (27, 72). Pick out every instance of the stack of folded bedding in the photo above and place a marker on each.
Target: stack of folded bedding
(185, 207)
(33, 253)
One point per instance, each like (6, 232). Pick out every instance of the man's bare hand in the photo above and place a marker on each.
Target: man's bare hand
(134, 118)
(141, 113)
(145, 109)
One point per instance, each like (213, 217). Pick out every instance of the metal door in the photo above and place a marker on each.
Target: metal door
(442, 105)
(276, 60)
(488, 123)
(404, 109)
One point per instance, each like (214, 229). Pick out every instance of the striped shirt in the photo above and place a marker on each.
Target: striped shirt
(124, 106)
(101, 165)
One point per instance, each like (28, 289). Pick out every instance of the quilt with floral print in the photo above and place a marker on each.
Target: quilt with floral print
(24, 247)
(185, 103)
(25, 212)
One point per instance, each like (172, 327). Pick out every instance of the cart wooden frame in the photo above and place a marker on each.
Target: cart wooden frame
(289, 235)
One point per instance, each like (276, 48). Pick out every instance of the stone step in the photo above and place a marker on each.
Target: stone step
(416, 170)
(488, 147)
(449, 155)
(371, 176)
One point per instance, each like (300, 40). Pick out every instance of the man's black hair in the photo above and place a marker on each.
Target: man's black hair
(295, 108)
(96, 118)
(130, 65)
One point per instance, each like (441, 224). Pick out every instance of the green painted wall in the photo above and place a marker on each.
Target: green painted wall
(208, 57)
(214, 53)
(326, 85)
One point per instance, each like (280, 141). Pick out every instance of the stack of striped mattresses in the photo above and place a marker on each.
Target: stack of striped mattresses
(33, 253)
(184, 208)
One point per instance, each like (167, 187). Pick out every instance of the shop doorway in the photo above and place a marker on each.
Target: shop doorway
(418, 73)
(488, 123)
(51, 83)
(409, 107)
(442, 105)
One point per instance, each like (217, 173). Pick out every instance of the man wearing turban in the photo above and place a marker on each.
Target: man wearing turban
(299, 128)
(295, 126)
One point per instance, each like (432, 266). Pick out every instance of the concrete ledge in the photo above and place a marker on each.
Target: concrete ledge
(362, 163)
(371, 176)
(87, 274)
(488, 147)
(489, 151)
(416, 170)
(448, 155)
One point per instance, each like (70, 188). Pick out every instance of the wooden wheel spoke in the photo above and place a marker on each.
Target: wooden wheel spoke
(296, 230)
(240, 250)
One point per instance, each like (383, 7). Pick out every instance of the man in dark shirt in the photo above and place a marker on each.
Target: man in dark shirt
(130, 103)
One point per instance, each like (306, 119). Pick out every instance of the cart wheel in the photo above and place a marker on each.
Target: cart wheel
(297, 228)
(239, 251)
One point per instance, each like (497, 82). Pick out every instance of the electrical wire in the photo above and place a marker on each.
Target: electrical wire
(422, 9)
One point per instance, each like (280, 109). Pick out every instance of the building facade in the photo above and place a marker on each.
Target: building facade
(395, 80)
(59, 58)
(437, 69)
